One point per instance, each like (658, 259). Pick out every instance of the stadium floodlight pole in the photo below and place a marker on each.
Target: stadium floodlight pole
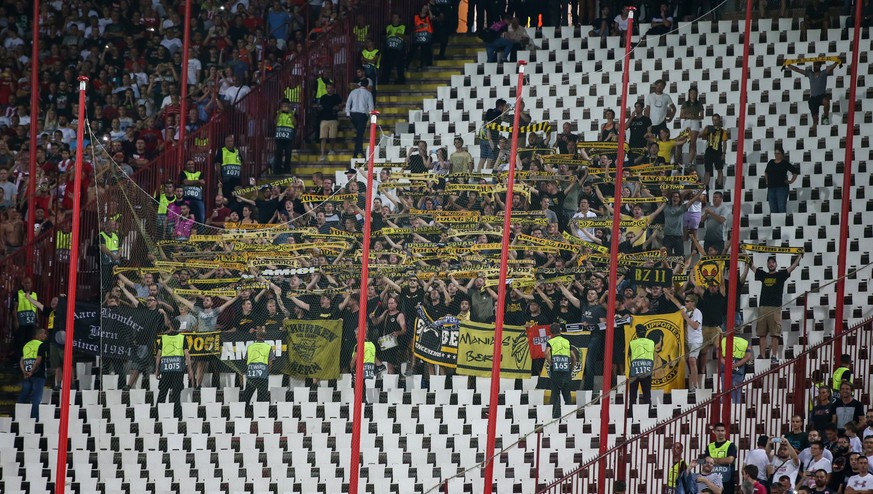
(847, 181)
(501, 288)
(362, 314)
(61, 471)
(183, 91)
(34, 116)
(613, 261)
(737, 198)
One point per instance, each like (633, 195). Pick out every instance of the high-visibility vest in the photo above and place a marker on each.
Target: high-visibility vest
(673, 473)
(740, 347)
(371, 57)
(642, 356)
(369, 360)
(292, 93)
(423, 24)
(726, 471)
(26, 310)
(63, 242)
(164, 201)
(172, 353)
(258, 360)
(30, 354)
(560, 354)
(838, 378)
(231, 164)
(284, 125)
(321, 87)
(111, 242)
(361, 33)
(392, 30)
(193, 191)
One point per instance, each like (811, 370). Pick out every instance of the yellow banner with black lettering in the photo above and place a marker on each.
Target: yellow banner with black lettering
(608, 223)
(795, 61)
(314, 347)
(476, 351)
(771, 249)
(534, 127)
(668, 333)
(203, 344)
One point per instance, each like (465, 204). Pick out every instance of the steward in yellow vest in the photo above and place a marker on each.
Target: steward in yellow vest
(285, 132)
(25, 310)
(32, 365)
(641, 354)
(843, 373)
(172, 362)
(228, 166)
(259, 356)
(560, 361)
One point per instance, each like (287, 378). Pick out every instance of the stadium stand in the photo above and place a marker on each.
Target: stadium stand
(424, 430)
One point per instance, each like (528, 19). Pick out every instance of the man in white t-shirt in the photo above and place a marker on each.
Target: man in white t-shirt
(806, 455)
(693, 334)
(194, 68)
(815, 463)
(862, 481)
(759, 458)
(784, 462)
(659, 108)
(584, 213)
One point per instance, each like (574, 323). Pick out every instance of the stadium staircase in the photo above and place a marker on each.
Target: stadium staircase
(414, 438)
(394, 102)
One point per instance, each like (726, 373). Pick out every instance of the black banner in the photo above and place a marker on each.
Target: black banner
(105, 331)
(650, 276)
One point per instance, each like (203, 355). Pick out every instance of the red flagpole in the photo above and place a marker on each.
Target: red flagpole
(183, 91)
(501, 289)
(847, 178)
(737, 199)
(362, 315)
(34, 117)
(63, 427)
(613, 260)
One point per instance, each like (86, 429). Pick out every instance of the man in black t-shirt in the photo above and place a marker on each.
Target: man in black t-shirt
(639, 125)
(329, 105)
(769, 305)
(713, 307)
(593, 315)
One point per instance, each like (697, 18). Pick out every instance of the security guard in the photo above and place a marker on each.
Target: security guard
(423, 38)
(394, 57)
(372, 365)
(285, 133)
(742, 353)
(642, 361)
(228, 166)
(321, 83)
(560, 361)
(165, 198)
(192, 190)
(724, 453)
(843, 373)
(259, 357)
(171, 363)
(32, 365)
(371, 59)
(110, 255)
(63, 242)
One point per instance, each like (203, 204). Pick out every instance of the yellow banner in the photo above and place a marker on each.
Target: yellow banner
(795, 61)
(636, 200)
(584, 243)
(253, 188)
(476, 351)
(314, 347)
(668, 333)
(666, 178)
(204, 344)
(608, 223)
(546, 242)
(218, 292)
(709, 273)
(769, 249)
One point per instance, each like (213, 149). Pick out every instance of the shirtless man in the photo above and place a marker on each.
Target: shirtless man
(12, 232)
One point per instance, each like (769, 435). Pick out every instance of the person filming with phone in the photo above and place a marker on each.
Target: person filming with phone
(783, 462)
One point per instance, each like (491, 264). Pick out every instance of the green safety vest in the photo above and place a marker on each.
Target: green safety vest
(673, 474)
(560, 354)
(172, 353)
(292, 93)
(642, 356)
(29, 354)
(111, 242)
(740, 347)
(26, 310)
(164, 201)
(258, 360)
(726, 471)
(321, 87)
(838, 378)
(285, 125)
(392, 30)
(63, 240)
(361, 33)
(231, 165)
(193, 191)
(369, 360)
(370, 56)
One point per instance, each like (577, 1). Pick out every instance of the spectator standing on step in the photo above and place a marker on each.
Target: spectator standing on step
(172, 362)
(488, 138)
(284, 137)
(358, 107)
(777, 181)
(422, 41)
(34, 357)
(819, 97)
(659, 107)
(441, 11)
(394, 55)
(328, 114)
(716, 148)
(770, 305)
